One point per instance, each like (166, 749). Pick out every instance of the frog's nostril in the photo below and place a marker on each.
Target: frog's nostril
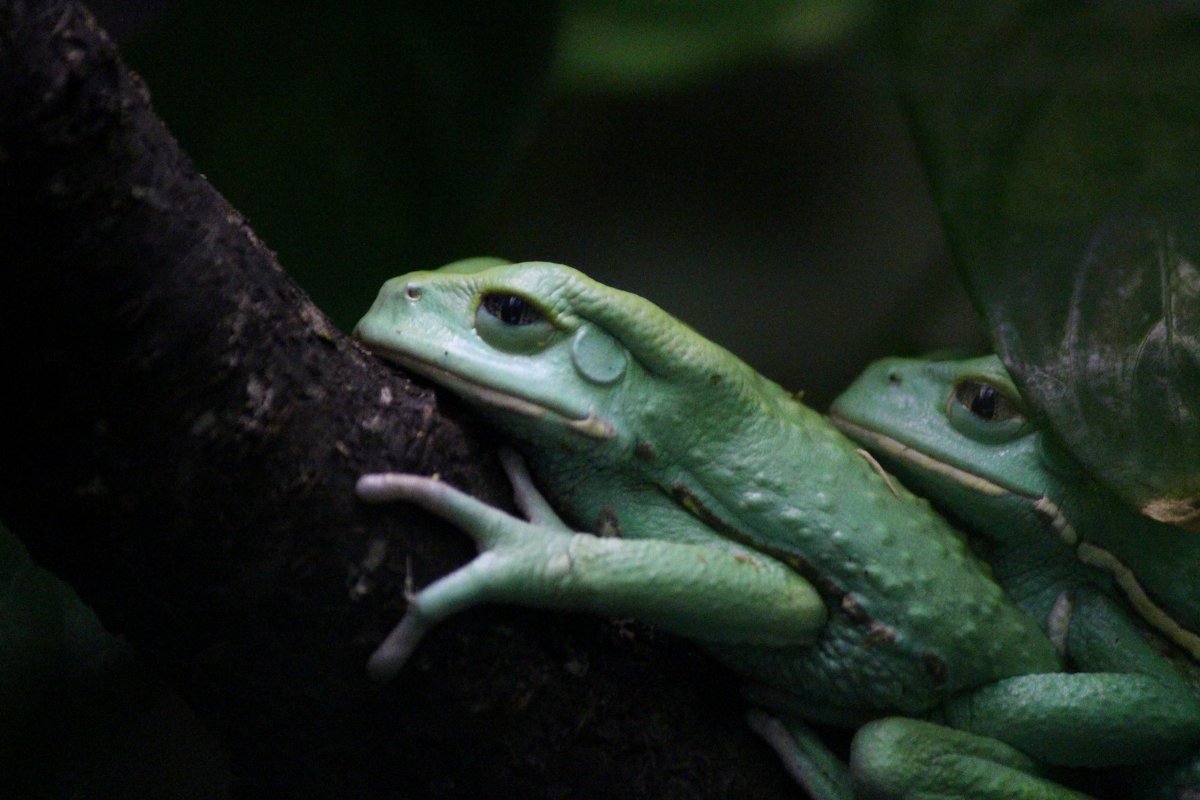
(412, 291)
(894, 378)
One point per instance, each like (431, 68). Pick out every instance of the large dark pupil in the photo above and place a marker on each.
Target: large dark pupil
(983, 403)
(510, 309)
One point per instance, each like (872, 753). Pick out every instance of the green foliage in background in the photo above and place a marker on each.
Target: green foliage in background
(626, 45)
(1062, 142)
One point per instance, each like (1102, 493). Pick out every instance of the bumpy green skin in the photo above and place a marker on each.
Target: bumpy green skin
(727, 492)
(1028, 499)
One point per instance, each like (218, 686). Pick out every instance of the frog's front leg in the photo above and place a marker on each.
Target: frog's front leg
(727, 596)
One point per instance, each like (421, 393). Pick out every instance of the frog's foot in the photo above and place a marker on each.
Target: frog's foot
(899, 757)
(806, 758)
(514, 553)
(718, 595)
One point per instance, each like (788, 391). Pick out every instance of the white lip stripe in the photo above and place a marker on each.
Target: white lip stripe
(906, 453)
(590, 426)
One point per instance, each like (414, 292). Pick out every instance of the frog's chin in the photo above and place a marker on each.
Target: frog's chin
(589, 425)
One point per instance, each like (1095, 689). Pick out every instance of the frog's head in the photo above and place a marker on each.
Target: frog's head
(547, 353)
(956, 430)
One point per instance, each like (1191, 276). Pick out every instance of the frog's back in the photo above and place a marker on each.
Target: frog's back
(697, 435)
(914, 615)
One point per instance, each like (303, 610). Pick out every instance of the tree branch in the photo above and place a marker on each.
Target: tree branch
(179, 439)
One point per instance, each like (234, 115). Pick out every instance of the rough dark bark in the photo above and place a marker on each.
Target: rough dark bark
(179, 437)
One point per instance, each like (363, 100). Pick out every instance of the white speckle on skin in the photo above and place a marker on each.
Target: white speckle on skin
(385, 396)
(752, 500)
(791, 514)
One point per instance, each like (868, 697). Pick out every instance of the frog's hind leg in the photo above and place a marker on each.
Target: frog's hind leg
(898, 757)
(806, 758)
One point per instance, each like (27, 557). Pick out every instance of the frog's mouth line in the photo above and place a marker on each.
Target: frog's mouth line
(903, 452)
(591, 426)
(899, 450)
(1086, 552)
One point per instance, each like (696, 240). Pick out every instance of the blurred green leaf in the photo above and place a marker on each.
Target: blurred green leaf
(1062, 142)
(632, 45)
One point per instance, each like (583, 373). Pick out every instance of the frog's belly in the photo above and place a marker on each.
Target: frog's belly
(850, 674)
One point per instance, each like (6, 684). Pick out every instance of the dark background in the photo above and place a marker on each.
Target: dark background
(769, 195)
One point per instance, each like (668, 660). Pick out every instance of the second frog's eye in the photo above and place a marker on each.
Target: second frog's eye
(985, 412)
(510, 309)
(986, 401)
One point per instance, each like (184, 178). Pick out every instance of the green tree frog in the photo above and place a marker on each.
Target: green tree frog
(1066, 549)
(710, 501)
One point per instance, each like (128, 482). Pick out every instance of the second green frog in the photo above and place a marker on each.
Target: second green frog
(1110, 585)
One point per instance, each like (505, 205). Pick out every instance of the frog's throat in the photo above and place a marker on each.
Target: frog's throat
(591, 426)
(1097, 557)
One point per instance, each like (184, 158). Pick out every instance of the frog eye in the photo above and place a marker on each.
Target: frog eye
(510, 309)
(985, 401)
(511, 323)
(985, 412)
